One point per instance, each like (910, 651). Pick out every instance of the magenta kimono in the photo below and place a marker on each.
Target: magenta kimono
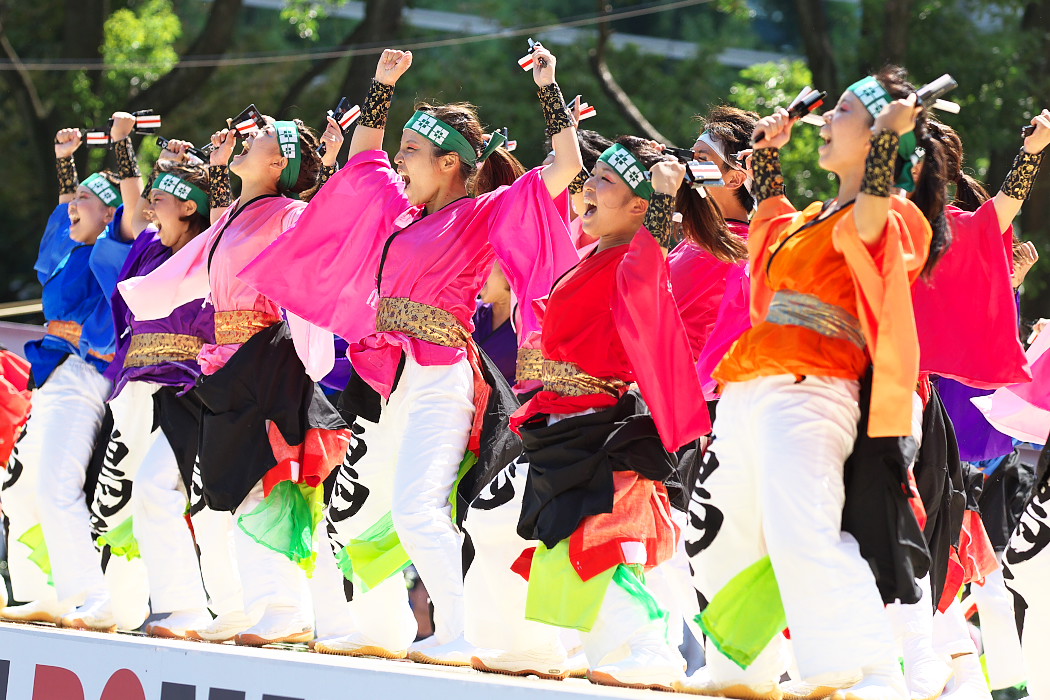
(362, 239)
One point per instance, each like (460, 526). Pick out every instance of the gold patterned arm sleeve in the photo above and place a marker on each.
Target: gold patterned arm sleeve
(576, 186)
(554, 112)
(765, 168)
(327, 171)
(1019, 181)
(658, 219)
(376, 106)
(220, 194)
(127, 165)
(67, 175)
(879, 176)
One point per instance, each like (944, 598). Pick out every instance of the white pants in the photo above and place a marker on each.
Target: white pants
(1028, 570)
(412, 460)
(28, 581)
(272, 583)
(69, 427)
(129, 442)
(1002, 646)
(776, 487)
(495, 596)
(177, 579)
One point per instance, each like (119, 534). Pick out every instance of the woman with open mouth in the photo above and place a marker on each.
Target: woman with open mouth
(831, 300)
(83, 248)
(153, 448)
(398, 252)
(268, 436)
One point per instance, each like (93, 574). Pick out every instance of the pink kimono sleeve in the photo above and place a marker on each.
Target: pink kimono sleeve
(181, 279)
(733, 319)
(966, 313)
(334, 248)
(1022, 411)
(654, 337)
(530, 233)
(314, 345)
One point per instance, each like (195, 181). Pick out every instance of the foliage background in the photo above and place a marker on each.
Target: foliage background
(998, 51)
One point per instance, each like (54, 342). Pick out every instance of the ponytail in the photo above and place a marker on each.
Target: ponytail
(499, 169)
(969, 193)
(704, 225)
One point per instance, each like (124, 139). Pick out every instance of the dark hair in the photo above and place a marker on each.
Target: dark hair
(733, 127)
(931, 190)
(500, 168)
(309, 164)
(969, 193)
(702, 222)
(195, 175)
(592, 146)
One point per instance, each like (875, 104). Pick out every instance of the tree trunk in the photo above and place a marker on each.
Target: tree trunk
(639, 124)
(382, 21)
(896, 31)
(813, 23)
(182, 82)
(83, 32)
(1035, 215)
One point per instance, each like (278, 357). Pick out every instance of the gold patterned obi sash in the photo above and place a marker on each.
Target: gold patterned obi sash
(70, 331)
(791, 308)
(529, 366)
(238, 327)
(567, 379)
(429, 323)
(148, 349)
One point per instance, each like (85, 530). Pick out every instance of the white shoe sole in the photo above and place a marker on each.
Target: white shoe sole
(550, 674)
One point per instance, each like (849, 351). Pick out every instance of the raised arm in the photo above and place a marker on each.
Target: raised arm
(872, 208)
(127, 170)
(1018, 183)
(220, 192)
(67, 141)
(561, 128)
(368, 135)
(667, 178)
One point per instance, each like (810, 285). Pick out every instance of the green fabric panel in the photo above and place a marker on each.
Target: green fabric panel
(285, 521)
(373, 557)
(745, 616)
(34, 539)
(469, 460)
(631, 578)
(121, 541)
(558, 596)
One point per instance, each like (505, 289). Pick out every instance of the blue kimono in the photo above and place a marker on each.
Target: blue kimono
(78, 281)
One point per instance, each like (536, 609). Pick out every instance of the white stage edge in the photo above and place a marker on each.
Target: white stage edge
(43, 663)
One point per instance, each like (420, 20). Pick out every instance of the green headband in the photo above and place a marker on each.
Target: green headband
(288, 140)
(102, 188)
(874, 97)
(446, 137)
(182, 189)
(620, 159)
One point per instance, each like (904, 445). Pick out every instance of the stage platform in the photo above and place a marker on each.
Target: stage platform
(40, 662)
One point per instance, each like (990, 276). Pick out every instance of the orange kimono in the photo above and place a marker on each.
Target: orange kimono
(792, 250)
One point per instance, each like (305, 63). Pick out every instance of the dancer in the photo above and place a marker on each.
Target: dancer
(400, 287)
(615, 522)
(787, 419)
(253, 377)
(154, 372)
(83, 248)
